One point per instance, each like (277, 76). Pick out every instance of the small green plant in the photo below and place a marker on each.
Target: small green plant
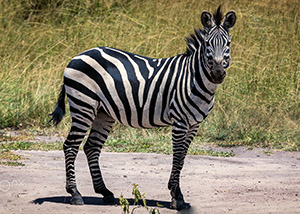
(268, 153)
(137, 194)
(124, 204)
(137, 197)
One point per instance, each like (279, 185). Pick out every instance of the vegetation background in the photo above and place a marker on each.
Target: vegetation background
(257, 105)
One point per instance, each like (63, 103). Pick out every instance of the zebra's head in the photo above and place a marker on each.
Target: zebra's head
(216, 43)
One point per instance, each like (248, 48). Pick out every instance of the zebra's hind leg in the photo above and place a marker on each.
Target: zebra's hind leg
(92, 148)
(70, 147)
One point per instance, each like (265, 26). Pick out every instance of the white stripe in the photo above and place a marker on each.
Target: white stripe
(158, 108)
(187, 87)
(149, 67)
(79, 95)
(182, 99)
(137, 72)
(209, 85)
(85, 80)
(146, 114)
(159, 61)
(167, 113)
(108, 82)
(82, 108)
(127, 86)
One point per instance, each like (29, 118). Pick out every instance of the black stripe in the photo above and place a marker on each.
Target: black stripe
(201, 96)
(192, 103)
(155, 93)
(188, 82)
(77, 120)
(199, 78)
(81, 103)
(99, 133)
(119, 83)
(133, 80)
(179, 108)
(79, 87)
(80, 65)
(167, 91)
(204, 69)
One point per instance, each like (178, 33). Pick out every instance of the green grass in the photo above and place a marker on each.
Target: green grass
(149, 141)
(9, 146)
(257, 105)
(158, 145)
(9, 158)
(122, 140)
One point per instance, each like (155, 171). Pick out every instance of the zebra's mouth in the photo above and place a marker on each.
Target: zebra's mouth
(219, 78)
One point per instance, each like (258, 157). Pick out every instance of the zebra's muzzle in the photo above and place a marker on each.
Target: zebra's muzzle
(218, 80)
(218, 73)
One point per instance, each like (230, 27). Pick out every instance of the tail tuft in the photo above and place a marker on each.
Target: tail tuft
(60, 109)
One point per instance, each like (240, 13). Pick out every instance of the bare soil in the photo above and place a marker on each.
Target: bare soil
(250, 182)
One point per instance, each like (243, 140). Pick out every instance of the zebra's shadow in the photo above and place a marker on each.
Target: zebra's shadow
(98, 201)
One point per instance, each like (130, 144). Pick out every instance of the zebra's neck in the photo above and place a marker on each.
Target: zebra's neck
(192, 94)
(201, 82)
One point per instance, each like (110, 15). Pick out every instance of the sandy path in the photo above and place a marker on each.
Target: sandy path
(250, 182)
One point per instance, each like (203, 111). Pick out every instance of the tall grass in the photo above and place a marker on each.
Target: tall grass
(258, 104)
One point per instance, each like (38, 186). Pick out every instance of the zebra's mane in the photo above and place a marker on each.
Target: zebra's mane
(194, 42)
(218, 16)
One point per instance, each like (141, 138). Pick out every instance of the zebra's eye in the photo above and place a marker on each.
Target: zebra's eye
(225, 62)
(210, 62)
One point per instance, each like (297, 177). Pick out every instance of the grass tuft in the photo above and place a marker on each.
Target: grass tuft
(9, 146)
(8, 158)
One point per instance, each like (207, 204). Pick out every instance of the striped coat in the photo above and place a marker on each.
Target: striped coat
(104, 85)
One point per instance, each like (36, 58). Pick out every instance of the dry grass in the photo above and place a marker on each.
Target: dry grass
(258, 104)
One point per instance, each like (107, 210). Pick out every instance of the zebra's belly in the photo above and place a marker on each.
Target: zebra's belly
(139, 118)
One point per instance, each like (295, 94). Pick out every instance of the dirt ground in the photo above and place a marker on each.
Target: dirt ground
(250, 182)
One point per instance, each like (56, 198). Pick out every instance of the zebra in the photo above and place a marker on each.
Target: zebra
(104, 85)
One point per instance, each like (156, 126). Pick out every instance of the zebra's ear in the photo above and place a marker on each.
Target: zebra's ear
(230, 19)
(206, 19)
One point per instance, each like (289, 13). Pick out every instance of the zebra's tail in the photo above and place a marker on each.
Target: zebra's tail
(60, 109)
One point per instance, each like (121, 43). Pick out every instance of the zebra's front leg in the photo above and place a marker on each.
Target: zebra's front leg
(92, 148)
(181, 138)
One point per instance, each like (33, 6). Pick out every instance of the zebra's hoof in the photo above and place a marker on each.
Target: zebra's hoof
(179, 204)
(109, 199)
(77, 200)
